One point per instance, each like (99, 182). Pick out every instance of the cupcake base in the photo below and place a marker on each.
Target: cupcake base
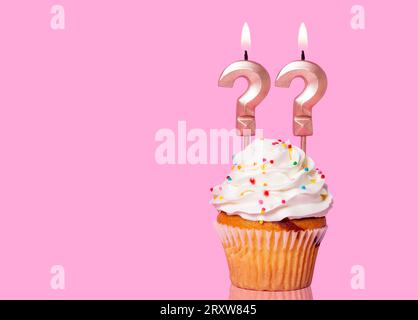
(236, 293)
(274, 256)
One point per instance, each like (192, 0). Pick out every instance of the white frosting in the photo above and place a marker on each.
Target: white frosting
(272, 180)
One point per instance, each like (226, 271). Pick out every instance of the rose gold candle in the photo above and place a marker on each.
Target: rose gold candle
(258, 86)
(315, 86)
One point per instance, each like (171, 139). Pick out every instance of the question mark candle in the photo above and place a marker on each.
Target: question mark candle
(315, 87)
(258, 86)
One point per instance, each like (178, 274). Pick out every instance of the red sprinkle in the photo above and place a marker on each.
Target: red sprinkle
(260, 201)
(280, 140)
(271, 161)
(323, 176)
(264, 159)
(283, 201)
(274, 143)
(252, 180)
(263, 209)
(289, 146)
(211, 189)
(266, 193)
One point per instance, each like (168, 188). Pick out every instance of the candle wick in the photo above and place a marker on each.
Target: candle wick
(302, 56)
(245, 55)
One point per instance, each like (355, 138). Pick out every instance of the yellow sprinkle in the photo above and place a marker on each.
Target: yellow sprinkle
(313, 181)
(265, 184)
(263, 211)
(260, 221)
(242, 193)
(263, 166)
(239, 167)
(221, 198)
(233, 167)
(214, 197)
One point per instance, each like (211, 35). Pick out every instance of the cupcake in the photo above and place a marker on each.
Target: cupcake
(271, 219)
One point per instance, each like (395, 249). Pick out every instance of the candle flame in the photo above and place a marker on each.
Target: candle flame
(303, 37)
(245, 37)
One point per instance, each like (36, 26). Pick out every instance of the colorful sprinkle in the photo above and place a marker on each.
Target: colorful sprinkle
(220, 188)
(261, 221)
(289, 146)
(306, 169)
(263, 172)
(313, 181)
(254, 163)
(295, 163)
(263, 166)
(283, 201)
(252, 180)
(274, 143)
(323, 176)
(260, 201)
(271, 161)
(264, 159)
(263, 210)
(239, 167)
(266, 193)
(214, 197)
(228, 178)
(265, 184)
(211, 189)
(303, 187)
(221, 198)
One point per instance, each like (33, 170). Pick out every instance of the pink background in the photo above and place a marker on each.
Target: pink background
(79, 109)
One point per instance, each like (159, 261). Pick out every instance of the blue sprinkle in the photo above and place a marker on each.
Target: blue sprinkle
(306, 169)
(303, 187)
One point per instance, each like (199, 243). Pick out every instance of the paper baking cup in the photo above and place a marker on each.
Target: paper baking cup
(236, 293)
(270, 260)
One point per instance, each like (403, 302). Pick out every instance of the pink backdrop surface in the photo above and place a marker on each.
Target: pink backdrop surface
(79, 109)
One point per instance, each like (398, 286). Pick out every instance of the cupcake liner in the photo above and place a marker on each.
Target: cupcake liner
(270, 260)
(236, 293)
